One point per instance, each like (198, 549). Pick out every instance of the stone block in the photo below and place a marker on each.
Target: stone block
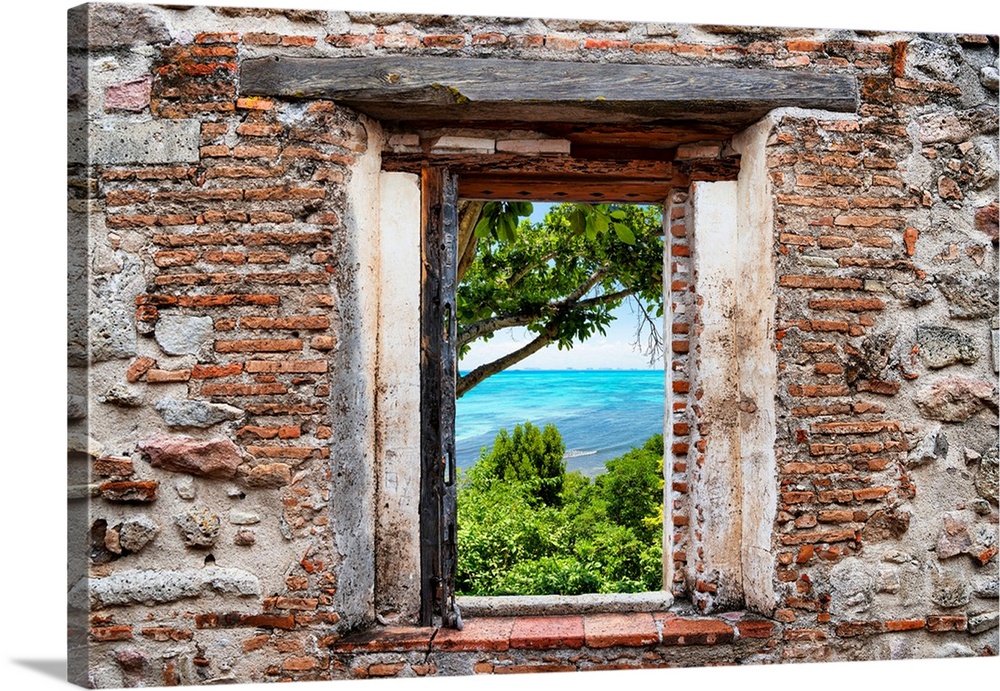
(452, 144)
(199, 527)
(162, 141)
(132, 95)
(157, 587)
(941, 346)
(209, 458)
(114, 26)
(185, 413)
(183, 335)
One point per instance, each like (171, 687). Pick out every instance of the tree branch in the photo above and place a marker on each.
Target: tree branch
(606, 298)
(484, 327)
(477, 375)
(528, 269)
(468, 215)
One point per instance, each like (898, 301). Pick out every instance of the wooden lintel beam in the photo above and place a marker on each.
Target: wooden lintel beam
(533, 165)
(567, 189)
(441, 88)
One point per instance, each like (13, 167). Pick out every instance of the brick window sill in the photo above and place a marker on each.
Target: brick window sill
(561, 632)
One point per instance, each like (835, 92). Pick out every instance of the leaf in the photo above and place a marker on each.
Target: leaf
(600, 223)
(625, 233)
(482, 229)
(618, 215)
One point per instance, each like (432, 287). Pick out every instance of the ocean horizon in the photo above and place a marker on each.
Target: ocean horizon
(600, 413)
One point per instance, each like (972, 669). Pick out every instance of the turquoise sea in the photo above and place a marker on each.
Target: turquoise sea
(601, 414)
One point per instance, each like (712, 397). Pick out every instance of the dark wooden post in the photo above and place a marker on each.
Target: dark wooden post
(439, 231)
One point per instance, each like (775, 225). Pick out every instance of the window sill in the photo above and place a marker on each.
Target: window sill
(571, 631)
(545, 605)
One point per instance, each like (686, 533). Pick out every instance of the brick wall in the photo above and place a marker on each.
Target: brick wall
(227, 354)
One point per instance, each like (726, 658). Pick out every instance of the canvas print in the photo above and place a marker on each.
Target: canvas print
(422, 345)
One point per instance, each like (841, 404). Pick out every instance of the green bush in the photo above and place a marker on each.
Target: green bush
(527, 527)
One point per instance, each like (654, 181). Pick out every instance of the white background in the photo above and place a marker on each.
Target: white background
(33, 397)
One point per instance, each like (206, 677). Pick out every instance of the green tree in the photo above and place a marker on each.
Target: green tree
(529, 456)
(560, 279)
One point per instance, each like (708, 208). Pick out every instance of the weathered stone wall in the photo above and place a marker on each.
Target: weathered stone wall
(225, 391)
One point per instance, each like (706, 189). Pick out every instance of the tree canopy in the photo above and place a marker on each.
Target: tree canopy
(560, 279)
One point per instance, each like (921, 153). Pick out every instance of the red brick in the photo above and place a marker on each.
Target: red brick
(298, 366)
(829, 368)
(166, 633)
(534, 668)
(230, 620)
(129, 491)
(605, 44)
(939, 623)
(388, 639)
(323, 343)
(281, 432)
(871, 493)
(138, 368)
(197, 279)
(816, 390)
(855, 427)
(822, 202)
(855, 305)
(905, 624)
(261, 39)
(561, 43)
(125, 197)
(158, 376)
(254, 103)
(849, 629)
(347, 40)
(753, 628)
(175, 258)
(804, 45)
(818, 537)
(259, 345)
(298, 41)
(104, 634)
(886, 388)
(840, 496)
(297, 603)
(112, 466)
(243, 389)
(489, 39)
(383, 40)
(379, 670)
(833, 242)
(821, 282)
(294, 322)
(303, 664)
(696, 632)
(444, 41)
(539, 633)
(247, 151)
(217, 37)
(607, 630)
(215, 371)
(477, 635)
(805, 635)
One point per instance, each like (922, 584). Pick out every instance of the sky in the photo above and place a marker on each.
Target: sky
(612, 351)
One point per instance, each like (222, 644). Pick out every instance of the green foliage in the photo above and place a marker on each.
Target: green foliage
(516, 537)
(565, 274)
(529, 456)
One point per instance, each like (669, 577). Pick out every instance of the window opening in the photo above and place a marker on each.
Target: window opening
(559, 428)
